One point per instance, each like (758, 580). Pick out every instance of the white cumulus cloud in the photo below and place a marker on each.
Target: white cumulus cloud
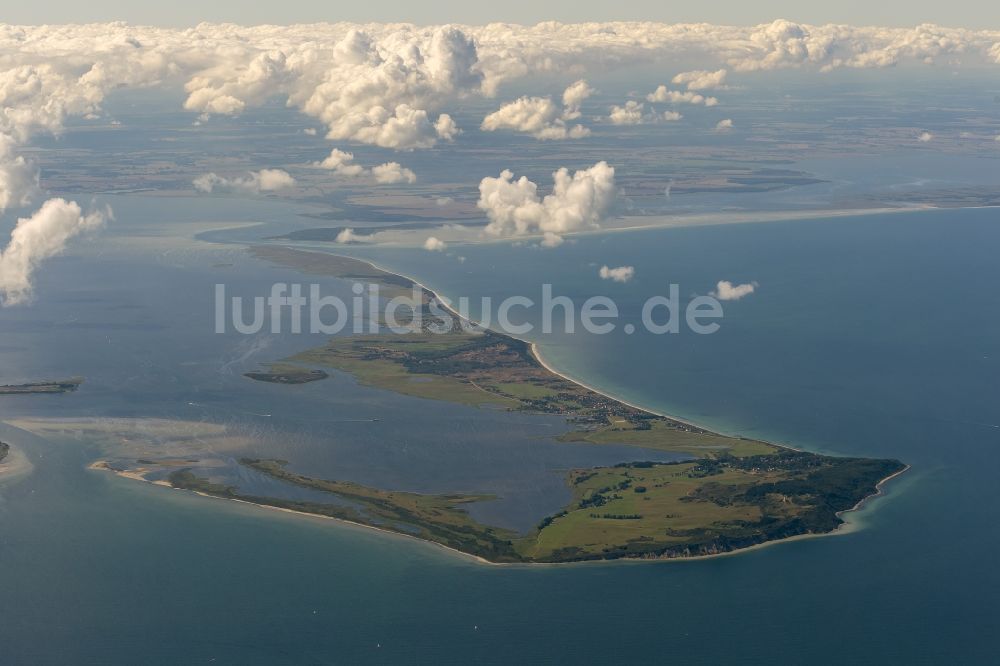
(265, 180)
(619, 274)
(388, 84)
(579, 201)
(662, 94)
(392, 85)
(342, 163)
(635, 113)
(374, 85)
(550, 239)
(393, 172)
(348, 235)
(727, 291)
(573, 97)
(629, 114)
(701, 79)
(18, 177)
(541, 117)
(435, 245)
(724, 125)
(37, 238)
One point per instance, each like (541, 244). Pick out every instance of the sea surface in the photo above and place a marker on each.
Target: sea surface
(875, 335)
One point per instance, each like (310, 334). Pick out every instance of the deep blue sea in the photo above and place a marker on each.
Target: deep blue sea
(876, 335)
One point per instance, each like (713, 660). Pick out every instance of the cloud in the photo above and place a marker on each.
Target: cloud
(435, 245)
(550, 239)
(577, 202)
(391, 84)
(554, 47)
(372, 88)
(446, 128)
(404, 127)
(925, 137)
(573, 97)
(342, 163)
(724, 125)
(619, 274)
(634, 113)
(214, 92)
(727, 291)
(541, 117)
(393, 172)
(701, 79)
(532, 115)
(347, 236)
(663, 94)
(386, 84)
(265, 180)
(37, 238)
(18, 177)
(630, 114)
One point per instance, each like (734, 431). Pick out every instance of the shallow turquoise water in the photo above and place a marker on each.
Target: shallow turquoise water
(872, 336)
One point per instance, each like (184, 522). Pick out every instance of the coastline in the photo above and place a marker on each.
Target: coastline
(879, 492)
(626, 224)
(843, 528)
(712, 550)
(535, 351)
(102, 465)
(14, 464)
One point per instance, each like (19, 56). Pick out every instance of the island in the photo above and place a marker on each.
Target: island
(59, 386)
(285, 373)
(4, 450)
(720, 494)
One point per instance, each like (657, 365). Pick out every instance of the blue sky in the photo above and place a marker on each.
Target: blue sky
(956, 13)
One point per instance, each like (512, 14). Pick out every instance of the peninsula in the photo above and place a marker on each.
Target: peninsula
(725, 493)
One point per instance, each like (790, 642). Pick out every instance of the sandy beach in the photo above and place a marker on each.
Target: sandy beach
(472, 235)
(139, 475)
(15, 464)
(536, 353)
